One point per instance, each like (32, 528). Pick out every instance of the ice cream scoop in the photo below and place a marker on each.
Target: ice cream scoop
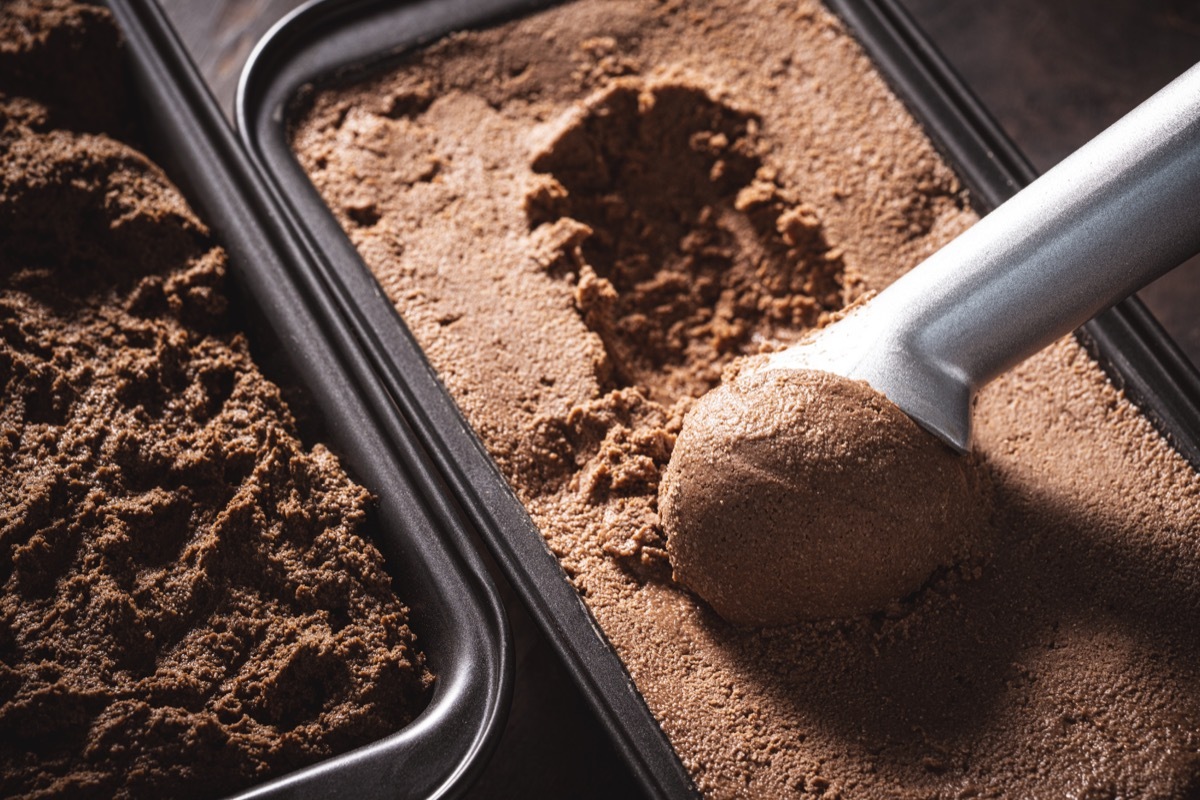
(738, 498)
(1109, 219)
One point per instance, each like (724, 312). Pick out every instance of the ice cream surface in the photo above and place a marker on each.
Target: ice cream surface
(190, 603)
(585, 216)
(799, 494)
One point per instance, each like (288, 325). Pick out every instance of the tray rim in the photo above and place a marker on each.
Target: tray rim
(527, 563)
(455, 607)
(1126, 340)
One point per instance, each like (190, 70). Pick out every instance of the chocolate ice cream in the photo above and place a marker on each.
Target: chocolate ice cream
(191, 604)
(586, 215)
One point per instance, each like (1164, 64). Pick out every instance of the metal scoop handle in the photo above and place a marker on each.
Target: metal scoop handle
(1118, 213)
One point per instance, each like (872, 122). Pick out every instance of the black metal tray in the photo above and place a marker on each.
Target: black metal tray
(456, 611)
(327, 40)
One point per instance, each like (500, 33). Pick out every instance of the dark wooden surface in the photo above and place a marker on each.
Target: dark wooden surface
(1053, 73)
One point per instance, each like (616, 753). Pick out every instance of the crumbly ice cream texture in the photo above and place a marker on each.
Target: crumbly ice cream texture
(189, 602)
(800, 494)
(584, 216)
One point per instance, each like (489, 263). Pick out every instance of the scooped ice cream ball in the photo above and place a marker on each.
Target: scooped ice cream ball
(798, 494)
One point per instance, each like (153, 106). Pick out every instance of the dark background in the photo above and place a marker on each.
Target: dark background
(1053, 72)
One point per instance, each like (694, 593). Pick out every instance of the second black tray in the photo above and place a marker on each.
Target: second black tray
(455, 608)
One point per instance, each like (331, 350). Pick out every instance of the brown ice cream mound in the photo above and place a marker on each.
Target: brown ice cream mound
(797, 495)
(190, 603)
